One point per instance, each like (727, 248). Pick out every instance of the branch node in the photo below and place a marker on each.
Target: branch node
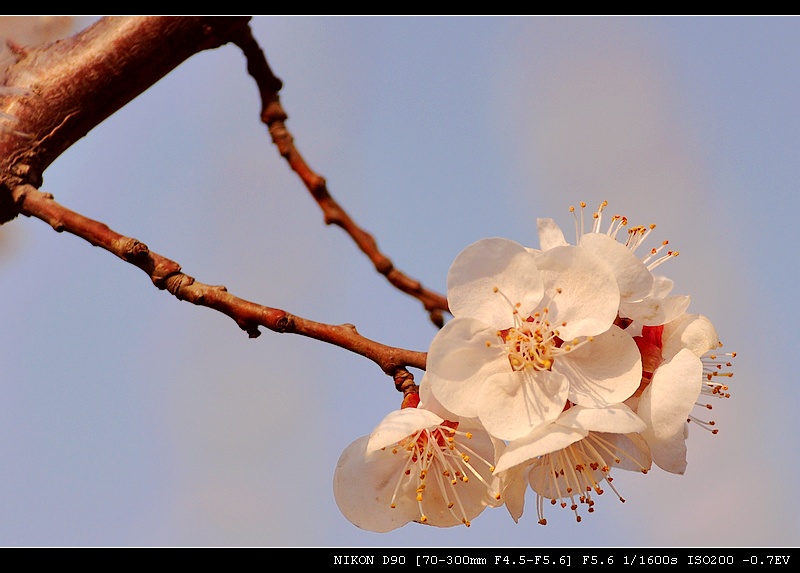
(250, 328)
(384, 266)
(176, 282)
(273, 112)
(133, 249)
(437, 318)
(21, 169)
(404, 381)
(285, 324)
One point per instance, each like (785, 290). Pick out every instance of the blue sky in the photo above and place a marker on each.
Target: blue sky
(130, 418)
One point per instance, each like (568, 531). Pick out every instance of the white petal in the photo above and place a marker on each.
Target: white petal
(398, 425)
(546, 439)
(654, 311)
(512, 404)
(662, 286)
(670, 396)
(670, 453)
(604, 371)
(632, 449)
(616, 418)
(489, 264)
(459, 362)
(515, 484)
(550, 234)
(692, 331)
(635, 281)
(363, 491)
(589, 297)
(429, 402)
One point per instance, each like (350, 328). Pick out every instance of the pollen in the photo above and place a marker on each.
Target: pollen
(439, 458)
(532, 343)
(580, 467)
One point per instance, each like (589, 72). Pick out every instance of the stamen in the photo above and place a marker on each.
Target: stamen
(706, 425)
(570, 476)
(533, 342)
(439, 458)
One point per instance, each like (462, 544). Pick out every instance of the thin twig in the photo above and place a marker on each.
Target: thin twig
(166, 274)
(274, 116)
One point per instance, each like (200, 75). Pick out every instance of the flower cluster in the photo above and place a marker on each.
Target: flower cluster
(560, 363)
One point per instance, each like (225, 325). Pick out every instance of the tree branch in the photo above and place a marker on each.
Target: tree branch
(274, 116)
(56, 93)
(166, 274)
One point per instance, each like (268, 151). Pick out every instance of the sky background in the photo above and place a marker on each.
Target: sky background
(130, 418)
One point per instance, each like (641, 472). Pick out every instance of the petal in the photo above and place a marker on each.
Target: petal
(363, 491)
(515, 485)
(398, 425)
(550, 234)
(544, 440)
(692, 331)
(670, 453)
(429, 402)
(670, 396)
(489, 277)
(662, 286)
(589, 297)
(616, 419)
(512, 404)
(635, 281)
(604, 371)
(459, 361)
(654, 311)
(631, 450)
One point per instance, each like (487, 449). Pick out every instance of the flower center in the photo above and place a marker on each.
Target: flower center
(533, 342)
(440, 458)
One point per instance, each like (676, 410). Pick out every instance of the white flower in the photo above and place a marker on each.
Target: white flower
(644, 297)
(568, 460)
(417, 466)
(531, 331)
(678, 366)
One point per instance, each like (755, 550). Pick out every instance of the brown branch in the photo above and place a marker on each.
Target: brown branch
(166, 274)
(57, 93)
(274, 116)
